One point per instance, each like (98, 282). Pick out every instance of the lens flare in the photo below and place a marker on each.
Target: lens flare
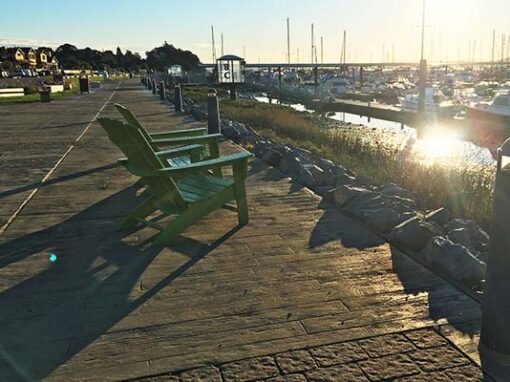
(437, 147)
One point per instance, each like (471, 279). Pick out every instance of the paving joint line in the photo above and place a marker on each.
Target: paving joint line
(55, 166)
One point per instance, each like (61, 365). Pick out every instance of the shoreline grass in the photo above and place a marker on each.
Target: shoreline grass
(465, 189)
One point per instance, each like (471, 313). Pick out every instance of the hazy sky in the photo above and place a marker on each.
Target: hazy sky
(260, 26)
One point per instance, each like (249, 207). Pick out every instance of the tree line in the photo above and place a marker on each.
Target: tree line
(159, 58)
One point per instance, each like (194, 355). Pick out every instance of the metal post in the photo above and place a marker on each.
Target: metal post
(280, 78)
(213, 110)
(149, 83)
(495, 333)
(178, 98)
(421, 95)
(162, 90)
(153, 86)
(368, 117)
(316, 78)
(361, 77)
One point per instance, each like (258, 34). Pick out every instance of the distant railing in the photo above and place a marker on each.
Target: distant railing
(12, 92)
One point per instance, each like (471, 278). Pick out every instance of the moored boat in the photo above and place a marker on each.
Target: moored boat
(497, 111)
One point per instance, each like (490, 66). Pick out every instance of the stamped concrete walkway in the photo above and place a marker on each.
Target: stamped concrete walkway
(302, 293)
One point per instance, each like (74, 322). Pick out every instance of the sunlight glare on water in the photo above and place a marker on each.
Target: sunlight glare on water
(436, 147)
(441, 146)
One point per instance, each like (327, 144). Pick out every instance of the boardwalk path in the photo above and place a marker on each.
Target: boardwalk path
(299, 276)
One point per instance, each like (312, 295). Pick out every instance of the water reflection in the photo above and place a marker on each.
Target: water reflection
(439, 144)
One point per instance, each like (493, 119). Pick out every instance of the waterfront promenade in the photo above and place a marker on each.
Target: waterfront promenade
(302, 293)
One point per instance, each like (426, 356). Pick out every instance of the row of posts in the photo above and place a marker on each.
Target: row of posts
(213, 108)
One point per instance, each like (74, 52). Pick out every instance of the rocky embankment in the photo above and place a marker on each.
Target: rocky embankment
(456, 249)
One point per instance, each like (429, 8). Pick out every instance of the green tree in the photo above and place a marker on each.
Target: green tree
(162, 57)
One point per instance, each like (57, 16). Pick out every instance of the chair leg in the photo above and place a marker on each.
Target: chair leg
(143, 210)
(214, 152)
(240, 172)
(189, 216)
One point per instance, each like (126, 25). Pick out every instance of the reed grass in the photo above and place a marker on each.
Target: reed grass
(464, 188)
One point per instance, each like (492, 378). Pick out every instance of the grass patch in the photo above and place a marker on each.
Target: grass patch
(34, 96)
(466, 189)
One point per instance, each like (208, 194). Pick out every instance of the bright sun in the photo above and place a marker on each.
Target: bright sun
(437, 147)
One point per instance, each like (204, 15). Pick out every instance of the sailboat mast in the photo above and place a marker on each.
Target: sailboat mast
(213, 46)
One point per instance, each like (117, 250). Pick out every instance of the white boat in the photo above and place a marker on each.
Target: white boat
(334, 85)
(436, 103)
(497, 111)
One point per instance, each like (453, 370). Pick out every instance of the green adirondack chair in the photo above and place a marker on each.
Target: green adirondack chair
(176, 138)
(184, 191)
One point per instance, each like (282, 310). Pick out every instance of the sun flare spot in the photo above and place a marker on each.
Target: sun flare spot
(437, 147)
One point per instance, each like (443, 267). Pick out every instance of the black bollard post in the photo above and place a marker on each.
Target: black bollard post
(162, 90)
(178, 98)
(154, 87)
(494, 343)
(213, 110)
(233, 94)
(149, 83)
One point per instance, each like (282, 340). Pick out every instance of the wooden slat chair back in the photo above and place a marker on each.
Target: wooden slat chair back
(179, 138)
(142, 159)
(130, 119)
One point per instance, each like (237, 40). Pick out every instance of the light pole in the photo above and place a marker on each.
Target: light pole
(423, 75)
(494, 343)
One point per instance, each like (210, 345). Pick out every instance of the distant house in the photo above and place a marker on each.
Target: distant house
(42, 57)
(30, 57)
(46, 59)
(15, 55)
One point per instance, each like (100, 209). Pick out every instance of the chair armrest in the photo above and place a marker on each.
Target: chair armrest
(188, 140)
(170, 153)
(179, 151)
(179, 133)
(225, 161)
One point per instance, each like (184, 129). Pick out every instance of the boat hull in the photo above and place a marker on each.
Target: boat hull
(499, 120)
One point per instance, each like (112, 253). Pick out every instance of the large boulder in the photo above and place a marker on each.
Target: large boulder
(230, 132)
(290, 165)
(454, 260)
(461, 236)
(382, 219)
(325, 164)
(376, 199)
(320, 176)
(241, 127)
(305, 177)
(393, 190)
(343, 195)
(342, 175)
(440, 216)
(260, 148)
(199, 112)
(478, 237)
(414, 233)
(272, 157)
